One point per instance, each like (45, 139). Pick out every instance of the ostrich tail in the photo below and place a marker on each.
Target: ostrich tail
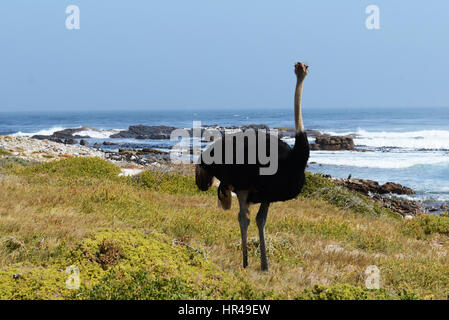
(224, 197)
(202, 178)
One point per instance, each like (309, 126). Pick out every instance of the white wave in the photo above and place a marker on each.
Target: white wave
(44, 132)
(383, 160)
(291, 141)
(421, 139)
(98, 134)
(90, 132)
(426, 197)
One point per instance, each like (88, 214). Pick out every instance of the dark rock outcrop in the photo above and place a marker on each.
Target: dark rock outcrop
(70, 141)
(360, 185)
(84, 143)
(327, 142)
(385, 194)
(63, 134)
(224, 130)
(164, 132)
(141, 157)
(145, 132)
(291, 132)
(370, 186)
(401, 206)
(391, 187)
(150, 151)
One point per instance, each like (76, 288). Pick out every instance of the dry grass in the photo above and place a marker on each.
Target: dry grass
(310, 241)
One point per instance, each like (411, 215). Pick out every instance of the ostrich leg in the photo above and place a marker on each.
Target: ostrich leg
(244, 223)
(261, 219)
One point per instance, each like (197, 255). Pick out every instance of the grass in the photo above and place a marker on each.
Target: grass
(120, 233)
(4, 152)
(425, 226)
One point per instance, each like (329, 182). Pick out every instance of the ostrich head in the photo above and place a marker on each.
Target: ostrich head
(301, 70)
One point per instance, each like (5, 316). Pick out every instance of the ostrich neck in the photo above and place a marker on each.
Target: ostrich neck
(298, 112)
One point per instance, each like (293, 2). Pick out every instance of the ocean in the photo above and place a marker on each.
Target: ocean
(407, 146)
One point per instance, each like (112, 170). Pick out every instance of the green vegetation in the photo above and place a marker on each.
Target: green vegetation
(9, 162)
(426, 225)
(4, 152)
(171, 183)
(157, 237)
(73, 168)
(343, 292)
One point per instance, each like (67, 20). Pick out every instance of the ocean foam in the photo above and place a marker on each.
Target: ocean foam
(383, 160)
(44, 132)
(421, 139)
(98, 134)
(91, 132)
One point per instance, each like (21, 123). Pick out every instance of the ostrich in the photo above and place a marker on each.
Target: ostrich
(245, 179)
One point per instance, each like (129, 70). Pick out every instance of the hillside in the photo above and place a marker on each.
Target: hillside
(158, 237)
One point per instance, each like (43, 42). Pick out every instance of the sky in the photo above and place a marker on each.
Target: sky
(202, 54)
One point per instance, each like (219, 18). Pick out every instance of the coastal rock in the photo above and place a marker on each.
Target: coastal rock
(142, 132)
(326, 142)
(245, 127)
(401, 206)
(150, 151)
(291, 132)
(70, 141)
(126, 152)
(145, 132)
(138, 157)
(109, 143)
(370, 186)
(391, 187)
(63, 134)
(360, 185)
(384, 194)
(84, 143)
(231, 129)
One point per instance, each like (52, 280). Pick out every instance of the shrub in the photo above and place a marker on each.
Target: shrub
(171, 183)
(75, 167)
(140, 285)
(151, 267)
(140, 265)
(12, 162)
(425, 225)
(342, 292)
(4, 152)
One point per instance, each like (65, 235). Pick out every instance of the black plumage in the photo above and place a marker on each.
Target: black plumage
(285, 184)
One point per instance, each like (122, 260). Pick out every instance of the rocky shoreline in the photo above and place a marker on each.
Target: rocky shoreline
(63, 144)
(44, 150)
(142, 132)
(386, 194)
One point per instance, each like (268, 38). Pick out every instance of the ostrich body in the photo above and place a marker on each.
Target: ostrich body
(245, 179)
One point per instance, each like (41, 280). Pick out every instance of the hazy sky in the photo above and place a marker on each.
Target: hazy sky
(179, 54)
